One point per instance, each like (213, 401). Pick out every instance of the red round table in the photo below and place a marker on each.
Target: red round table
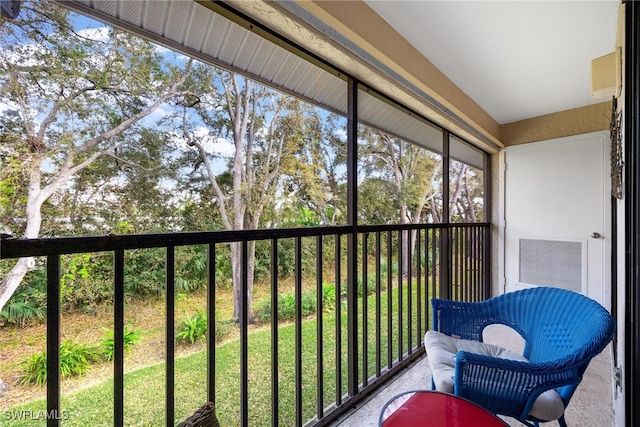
(435, 409)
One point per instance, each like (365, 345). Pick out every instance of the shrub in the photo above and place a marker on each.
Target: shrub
(20, 312)
(85, 281)
(329, 300)
(371, 285)
(26, 304)
(130, 338)
(36, 369)
(144, 272)
(74, 360)
(193, 328)
(287, 304)
(191, 268)
(224, 330)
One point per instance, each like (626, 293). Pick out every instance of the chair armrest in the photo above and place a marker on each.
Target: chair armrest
(505, 386)
(459, 319)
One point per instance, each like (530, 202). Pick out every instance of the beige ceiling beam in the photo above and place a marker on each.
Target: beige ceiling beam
(591, 118)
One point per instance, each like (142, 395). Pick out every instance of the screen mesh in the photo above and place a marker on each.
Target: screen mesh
(551, 263)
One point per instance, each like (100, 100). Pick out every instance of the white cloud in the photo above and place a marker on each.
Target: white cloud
(213, 145)
(100, 34)
(224, 147)
(161, 49)
(5, 106)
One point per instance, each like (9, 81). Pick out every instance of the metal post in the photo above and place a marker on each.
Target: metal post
(118, 338)
(445, 233)
(352, 238)
(632, 210)
(53, 340)
(211, 323)
(170, 337)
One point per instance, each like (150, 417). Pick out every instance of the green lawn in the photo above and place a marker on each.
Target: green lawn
(144, 388)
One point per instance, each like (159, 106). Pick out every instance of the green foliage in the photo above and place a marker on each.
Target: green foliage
(26, 304)
(193, 328)
(287, 304)
(130, 338)
(328, 296)
(224, 268)
(384, 268)
(301, 217)
(145, 272)
(286, 256)
(191, 268)
(74, 360)
(224, 330)
(19, 312)
(86, 280)
(76, 273)
(371, 285)
(36, 370)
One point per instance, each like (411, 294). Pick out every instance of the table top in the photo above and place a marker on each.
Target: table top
(414, 408)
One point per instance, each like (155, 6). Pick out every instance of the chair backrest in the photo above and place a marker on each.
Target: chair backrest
(557, 324)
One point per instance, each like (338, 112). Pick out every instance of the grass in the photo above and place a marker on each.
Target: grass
(145, 388)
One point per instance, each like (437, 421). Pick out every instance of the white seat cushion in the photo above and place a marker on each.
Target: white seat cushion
(441, 351)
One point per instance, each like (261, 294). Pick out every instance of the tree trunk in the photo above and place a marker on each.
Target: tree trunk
(237, 263)
(12, 280)
(236, 269)
(35, 199)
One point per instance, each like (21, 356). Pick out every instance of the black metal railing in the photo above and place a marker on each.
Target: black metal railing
(371, 329)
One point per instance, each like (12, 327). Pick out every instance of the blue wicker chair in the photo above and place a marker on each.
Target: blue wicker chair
(563, 331)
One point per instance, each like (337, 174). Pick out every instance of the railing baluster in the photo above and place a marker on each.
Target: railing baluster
(400, 274)
(473, 272)
(298, 330)
(419, 284)
(428, 260)
(464, 273)
(338, 331)
(469, 263)
(437, 266)
(170, 338)
(456, 263)
(118, 338)
(53, 340)
(365, 311)
(319, 320)
(275, 414)
(378, 303)
(211, 322)
(409, 293)
(486, 256)
(389, 301)
(473, 262)
(479, 262)
(244, 338)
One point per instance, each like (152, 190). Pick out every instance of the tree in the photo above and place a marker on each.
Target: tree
(316, 178)
(412, 174)
(71, 98)
(466, 202)
(260, 124)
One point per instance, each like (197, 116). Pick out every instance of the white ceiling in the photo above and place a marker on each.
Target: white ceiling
(516, 59)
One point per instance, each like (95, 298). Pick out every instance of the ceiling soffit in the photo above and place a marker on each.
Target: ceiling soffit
(195, 30)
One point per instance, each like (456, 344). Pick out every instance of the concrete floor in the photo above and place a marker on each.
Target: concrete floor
(590, 406)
